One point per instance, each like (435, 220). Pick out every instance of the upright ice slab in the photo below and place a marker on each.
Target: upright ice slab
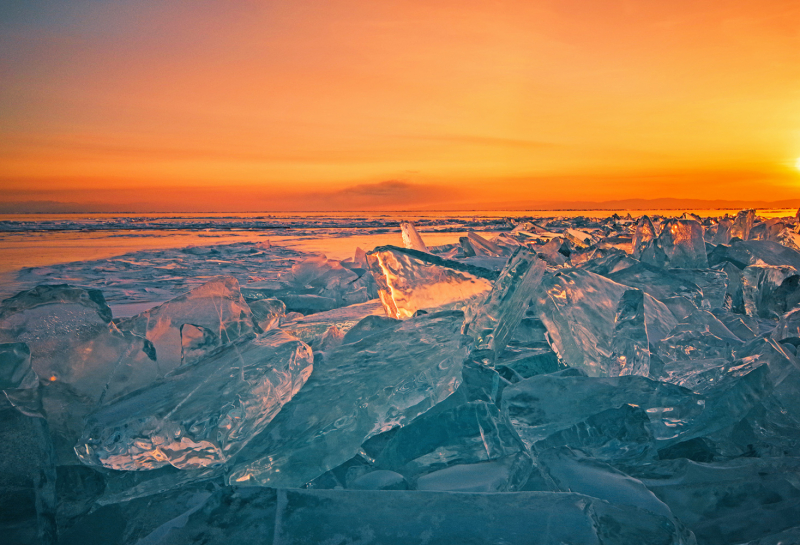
(743, 224)
(217, 306)
(497, 317)
(201, 414)
(644, 234)
(364, 388)
(596, 326)
(683, 244)
(409, 280)
(411, 238)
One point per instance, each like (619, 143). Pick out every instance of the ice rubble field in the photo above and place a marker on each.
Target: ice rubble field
(583, 381)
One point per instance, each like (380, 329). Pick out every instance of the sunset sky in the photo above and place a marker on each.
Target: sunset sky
(201, 105)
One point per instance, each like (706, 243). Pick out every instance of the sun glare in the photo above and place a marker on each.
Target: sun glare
(797, 164)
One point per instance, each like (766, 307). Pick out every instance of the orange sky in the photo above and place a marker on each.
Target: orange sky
(257, 105)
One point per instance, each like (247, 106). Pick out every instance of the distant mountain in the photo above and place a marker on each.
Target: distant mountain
(650, 204)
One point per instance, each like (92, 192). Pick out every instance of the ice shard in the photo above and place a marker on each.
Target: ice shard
(267, 313)
(788, 326)
(202, 414)
(496, 318)
(580, 309)
(743, 224)
(363, 388)
(769, 291)
(411, 238)
(484, 247)
(644, 234)
(217, 305)
(466, 247)
(720, 232)
(683, 244)
(409, 280)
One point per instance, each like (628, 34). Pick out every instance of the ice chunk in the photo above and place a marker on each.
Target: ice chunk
(496, 318)
(360, 258)
(217, 306)
(719, 232)
(369, 325)
(702, 321)
(312, 327)
(743, 224)
(101, 369)
(441, 444)
(712, 283)
(363, 389)
(545, 404)
(769, 291)
(580, 310)
(202, 414)
(755, 252)
(196, 342)
(411, 238)
(616, 434)
(81, 357)
(483, 247)
(466, 247)
(409, 280)
(329, 340)
(788, 326)
(575, 473)
(683, 244)
(645, 233)
(52, 320)
(15, 367)
(267, 313)
(727, 502)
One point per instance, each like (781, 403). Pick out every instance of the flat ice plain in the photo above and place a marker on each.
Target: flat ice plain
(583, 379)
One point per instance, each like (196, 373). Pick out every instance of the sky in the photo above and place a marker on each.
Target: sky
(245, 105)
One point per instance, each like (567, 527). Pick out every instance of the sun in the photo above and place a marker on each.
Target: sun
(797, 164)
